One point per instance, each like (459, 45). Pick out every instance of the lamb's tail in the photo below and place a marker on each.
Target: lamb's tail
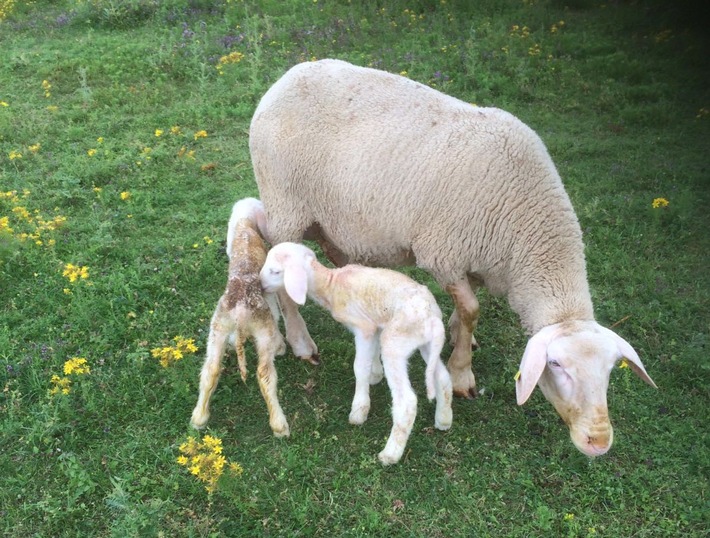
(431, 352)
(241, 356)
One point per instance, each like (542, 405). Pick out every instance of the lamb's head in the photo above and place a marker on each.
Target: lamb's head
(571, 362)
(287, 266)
(249, 209)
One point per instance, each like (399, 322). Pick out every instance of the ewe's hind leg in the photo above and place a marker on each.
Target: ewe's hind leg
(221, 327)
(395, 352)
(297, 335)
(366, 348)
(267, 341)
(459, 365)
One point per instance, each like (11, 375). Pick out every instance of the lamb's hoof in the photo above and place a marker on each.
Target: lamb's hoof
(443, 424)
(281, 431)
(312, 359)
(358, 416)
(199, 424)
(388, 459)
(468, 394)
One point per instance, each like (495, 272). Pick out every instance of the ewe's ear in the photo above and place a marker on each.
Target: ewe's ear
(533, 362)
(628, 352)
(296, 279)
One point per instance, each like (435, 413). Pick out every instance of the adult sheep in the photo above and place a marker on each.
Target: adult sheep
(382, 170)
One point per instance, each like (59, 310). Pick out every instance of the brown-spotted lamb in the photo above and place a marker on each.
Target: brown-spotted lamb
(382, 170)
(245, 312)
(390, 316)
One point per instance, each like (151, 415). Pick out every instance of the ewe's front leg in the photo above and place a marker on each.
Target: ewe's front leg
(459, 364)
(221, 327)
(297, 335)
(366, 349)
(267, 341)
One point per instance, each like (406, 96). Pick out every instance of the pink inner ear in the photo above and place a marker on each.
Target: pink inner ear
(295, 282)
(629, 353)
(533, 363)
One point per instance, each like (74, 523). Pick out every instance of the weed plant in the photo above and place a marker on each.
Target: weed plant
(123, 145)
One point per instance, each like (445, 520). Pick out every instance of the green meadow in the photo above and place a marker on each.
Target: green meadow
(123, 145)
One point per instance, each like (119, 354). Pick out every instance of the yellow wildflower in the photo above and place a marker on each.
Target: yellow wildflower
(52, 108)
(3, 103)
(60, 384)
(100, 140)
(15, 155)
(569, 517)
(158, 133)
(175, 130)
(76, 365)
(34, 148)
(125, 195)
(75, 272)
(91, 152)
(659, 202)
(200, 134)
(623, 364)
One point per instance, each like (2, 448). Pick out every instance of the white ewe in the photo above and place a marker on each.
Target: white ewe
(243, 312)
(382, 170)
(388, 313)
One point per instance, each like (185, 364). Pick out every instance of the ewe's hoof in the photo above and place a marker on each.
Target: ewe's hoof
(388, 459)
(312, 359)
(468, 394)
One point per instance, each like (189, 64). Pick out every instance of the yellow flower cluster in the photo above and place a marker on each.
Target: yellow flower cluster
(6, 7)
(517, 30)
(170, 354)
(556, 27)
(46, 86)
(231, 58)
(75, 272)
(205, 461)
(659, 202)
(74, 366)
(23, 218)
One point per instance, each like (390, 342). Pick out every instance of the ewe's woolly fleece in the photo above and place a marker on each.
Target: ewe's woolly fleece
(392, 169)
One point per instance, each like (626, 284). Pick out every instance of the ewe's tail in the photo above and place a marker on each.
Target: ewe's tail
(431, 352)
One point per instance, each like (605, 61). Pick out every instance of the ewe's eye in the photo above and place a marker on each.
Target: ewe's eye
(275, 271)
(554, 364)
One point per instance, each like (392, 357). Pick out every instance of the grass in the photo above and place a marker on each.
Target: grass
(619, 93)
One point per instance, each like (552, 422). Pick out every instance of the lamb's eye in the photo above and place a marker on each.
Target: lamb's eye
(554, 364)
(274, 272)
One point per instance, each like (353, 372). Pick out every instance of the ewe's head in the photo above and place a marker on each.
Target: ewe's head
(571, 362)
(287, 266)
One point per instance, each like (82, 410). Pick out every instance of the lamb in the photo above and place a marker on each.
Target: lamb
(382, 170)
(243, 312)
(387, 312)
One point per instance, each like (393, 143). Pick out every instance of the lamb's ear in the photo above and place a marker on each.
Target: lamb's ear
(629, 353)
(533, 362)
(296, 280)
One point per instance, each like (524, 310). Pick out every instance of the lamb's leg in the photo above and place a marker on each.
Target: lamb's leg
(404, 400)
(431, 351)
(459, 365)
(366, 348)
(221, 327)
(376, 373)
(266, 343)
(297, 335)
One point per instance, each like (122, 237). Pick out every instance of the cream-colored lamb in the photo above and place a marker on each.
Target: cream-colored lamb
(389, 314)
(244, 312)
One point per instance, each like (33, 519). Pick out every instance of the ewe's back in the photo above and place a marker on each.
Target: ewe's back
(391, 168)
